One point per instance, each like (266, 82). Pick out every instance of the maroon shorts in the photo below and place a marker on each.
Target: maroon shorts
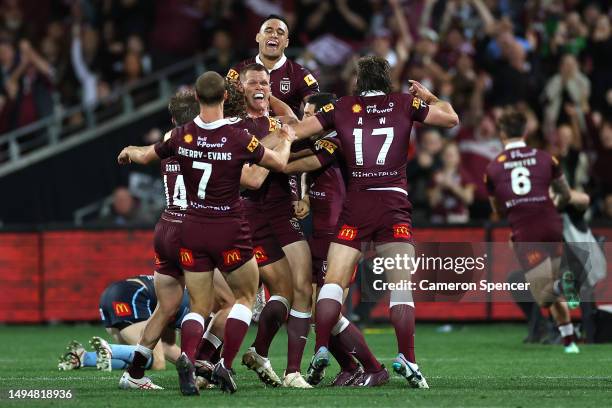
(208, 243)
(285, 227)
(266, 247)
(537, 239)
(374, 216)
(167, 241)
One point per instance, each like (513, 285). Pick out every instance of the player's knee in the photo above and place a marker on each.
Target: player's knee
(303, 292)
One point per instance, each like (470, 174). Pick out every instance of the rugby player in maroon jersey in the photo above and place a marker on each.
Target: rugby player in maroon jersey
(211, 153)
(326, 197)
(291, 83)
(519, 180)
(373, 133)
(169, 281)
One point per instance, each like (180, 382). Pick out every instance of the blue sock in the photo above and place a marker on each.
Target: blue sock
(123, 352)
(118, 364)
(90, 359)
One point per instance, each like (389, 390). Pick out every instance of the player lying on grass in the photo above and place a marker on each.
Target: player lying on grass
(519, 181)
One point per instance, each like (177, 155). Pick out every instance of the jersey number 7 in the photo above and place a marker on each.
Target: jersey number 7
(384, 150)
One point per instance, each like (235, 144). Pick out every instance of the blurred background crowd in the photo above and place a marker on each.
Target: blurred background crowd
(551, 59)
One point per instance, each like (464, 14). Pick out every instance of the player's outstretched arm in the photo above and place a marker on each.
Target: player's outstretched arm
(253, 176)
(562, 190)
(282, 110)
(307, 127)
(276, 159)
(303, 165)
(440, 113)
(138, 154)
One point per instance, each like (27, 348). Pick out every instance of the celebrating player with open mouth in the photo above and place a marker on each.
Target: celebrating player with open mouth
(373, 135)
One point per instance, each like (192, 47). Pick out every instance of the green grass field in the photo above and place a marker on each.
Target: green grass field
(474, 365)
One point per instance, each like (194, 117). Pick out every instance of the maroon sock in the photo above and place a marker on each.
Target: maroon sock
(298, 326)
(326, 316)
(272, 317)
(207, 350)
(192, 330)
(402, 319)
(344, 358)
(139, 362)
(236, 328)
(352, 341)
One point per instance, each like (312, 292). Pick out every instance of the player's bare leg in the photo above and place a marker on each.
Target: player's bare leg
(133, 333)
(541, 280)
(298, 323)
(244, 282)
(201, 296)
(341, 261)
(276, 277)
(169, 293)
(213, 337)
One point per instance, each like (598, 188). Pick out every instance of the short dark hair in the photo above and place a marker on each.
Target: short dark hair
(373, 74)
(183, 107)
(274, 17)
(253, 67)
(321, 99)
(210, 88)
(513, 124)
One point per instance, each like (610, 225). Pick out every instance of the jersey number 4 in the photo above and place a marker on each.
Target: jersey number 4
(179, 196)
(384, 150)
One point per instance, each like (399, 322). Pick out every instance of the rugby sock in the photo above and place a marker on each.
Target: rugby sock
(298, 325)
(210, 344)
(344, 359)
(272, 317)
(327, 311)
(117, 364)
(216, 355)
(123, 352)
(567, 333)
(353, 342)
(236, 327)
(401, 315)
(192, 330)
(142, 355)
(89, 359)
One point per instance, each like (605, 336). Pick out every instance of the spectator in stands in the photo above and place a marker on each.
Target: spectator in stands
(222, 55)
(126, 211)
(421, 168)
(451, 191)
(599, 59)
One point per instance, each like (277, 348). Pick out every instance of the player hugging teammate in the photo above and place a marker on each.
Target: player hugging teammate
(256, 236)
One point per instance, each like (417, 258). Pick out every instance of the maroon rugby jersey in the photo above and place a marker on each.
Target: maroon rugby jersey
(174, 187)
(327, 189)
(374, 132)
(276, 187)
(519, 178)
(289, 81)
(211, 156)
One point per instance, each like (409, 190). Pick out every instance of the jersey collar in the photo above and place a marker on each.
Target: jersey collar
(515, 145)
(372, 93)
(276, 66)
(216, 124)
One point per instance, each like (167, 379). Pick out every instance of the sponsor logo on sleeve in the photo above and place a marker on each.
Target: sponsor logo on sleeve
(310, 80)
(347, 233)
(325, 144)
(328, 107)
(356, 108)
(253, 144)
(285, 86)
(275, 124)
(186, 257)
(157, 260)
(233, 75)
(231, 257)
(122, 309)
(402, 231)
(188, 138)
(502, 158)
(260, 254)
(417, 103)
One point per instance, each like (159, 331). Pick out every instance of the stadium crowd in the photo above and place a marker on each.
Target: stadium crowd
(551, 59)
